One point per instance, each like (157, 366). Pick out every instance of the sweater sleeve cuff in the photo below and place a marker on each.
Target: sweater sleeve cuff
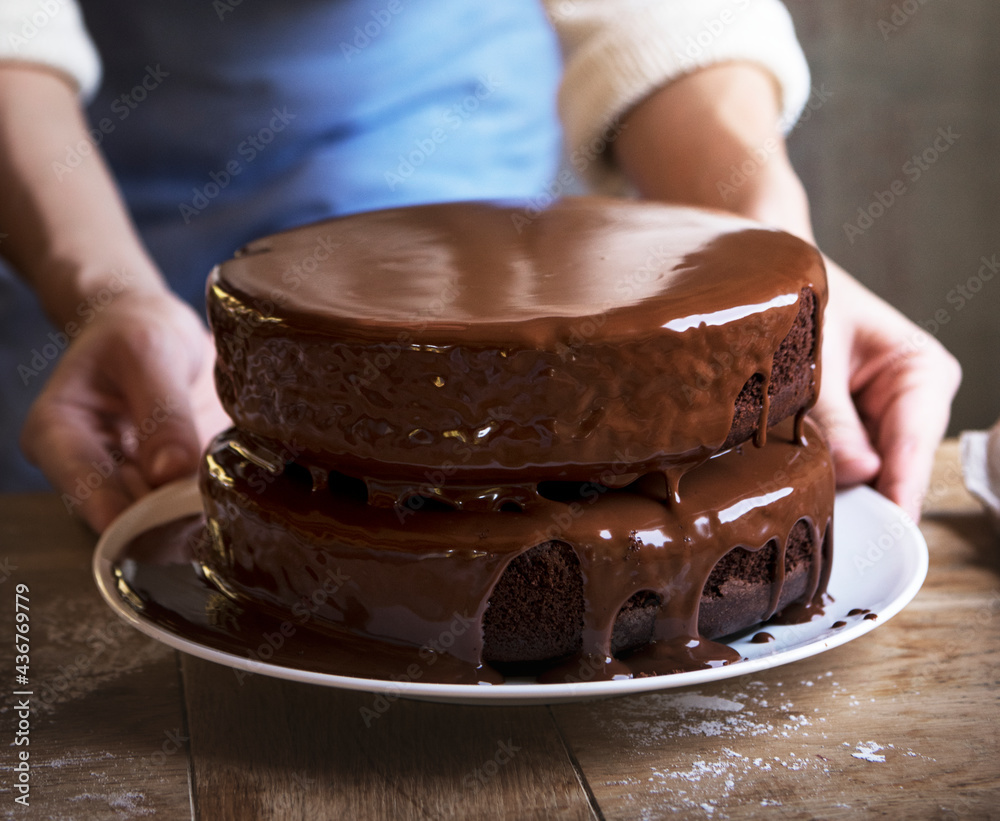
(618, 53)
(52, 34)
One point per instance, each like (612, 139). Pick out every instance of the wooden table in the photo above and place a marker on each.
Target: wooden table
(902, 723)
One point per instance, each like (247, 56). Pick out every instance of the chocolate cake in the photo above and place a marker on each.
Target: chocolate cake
(410, 340)
(581, 436)
(593, 571)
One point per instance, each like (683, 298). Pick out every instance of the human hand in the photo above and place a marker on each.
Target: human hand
(128, 407)
(885, 395)
(887, 385)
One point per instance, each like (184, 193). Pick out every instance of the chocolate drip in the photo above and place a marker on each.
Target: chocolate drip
(465, 389)
(606, 333)
(407, 498)
(428, 578)
(760, 434)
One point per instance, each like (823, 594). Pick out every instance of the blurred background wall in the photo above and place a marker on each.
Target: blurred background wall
(908, 92)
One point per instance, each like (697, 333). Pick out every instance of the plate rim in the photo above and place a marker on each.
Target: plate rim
(182, 497)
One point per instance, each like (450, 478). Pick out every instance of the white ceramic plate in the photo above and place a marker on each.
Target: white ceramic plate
(880, 561)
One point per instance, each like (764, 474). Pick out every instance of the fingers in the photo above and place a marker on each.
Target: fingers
(915, 404)
(208, 412)
(61, 440)
(902, 383)
(115, 419)
(156, 376)
(855, 460)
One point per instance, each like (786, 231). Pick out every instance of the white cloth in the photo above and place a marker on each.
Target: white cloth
(50, 33)
(981, 468)
(616, 52)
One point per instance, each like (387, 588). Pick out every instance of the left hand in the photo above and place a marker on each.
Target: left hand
(886, 393)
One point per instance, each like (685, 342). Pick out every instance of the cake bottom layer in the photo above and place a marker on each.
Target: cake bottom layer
(535, 611)
(583, 579)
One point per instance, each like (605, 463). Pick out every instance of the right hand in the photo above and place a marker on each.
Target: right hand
(128, 408)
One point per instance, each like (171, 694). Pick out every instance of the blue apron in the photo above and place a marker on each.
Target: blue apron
(231, 119)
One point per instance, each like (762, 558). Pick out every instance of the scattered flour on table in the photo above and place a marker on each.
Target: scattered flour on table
(79, 647)
(76, 760)
(694, 714)
(707, 782)
(125, 804)
(869, 751)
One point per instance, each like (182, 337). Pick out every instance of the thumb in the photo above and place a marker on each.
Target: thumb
(159, 402)
(854, 459)
(171, 451)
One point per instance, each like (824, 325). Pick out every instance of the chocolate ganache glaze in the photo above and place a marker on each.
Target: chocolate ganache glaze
(464, 426)
(430, 578)
(462, 342)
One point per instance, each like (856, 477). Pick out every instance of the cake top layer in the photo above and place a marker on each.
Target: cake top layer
(482, 271)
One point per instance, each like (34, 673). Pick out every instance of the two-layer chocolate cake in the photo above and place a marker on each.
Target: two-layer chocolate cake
(580, 433)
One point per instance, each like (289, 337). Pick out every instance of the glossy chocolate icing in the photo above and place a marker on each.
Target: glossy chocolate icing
(156, 575)
(425, 577)
(456, 339)
(427, 396)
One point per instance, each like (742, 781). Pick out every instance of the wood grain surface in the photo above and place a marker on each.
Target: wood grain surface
(264, 748)
(902, 723)
(107, 737)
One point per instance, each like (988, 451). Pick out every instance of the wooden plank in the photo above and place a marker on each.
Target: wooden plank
(902, 723)
(107, 733)
(264, 748)
(920, 692)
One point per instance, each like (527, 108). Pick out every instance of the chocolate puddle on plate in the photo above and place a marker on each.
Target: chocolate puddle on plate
(157, 577)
